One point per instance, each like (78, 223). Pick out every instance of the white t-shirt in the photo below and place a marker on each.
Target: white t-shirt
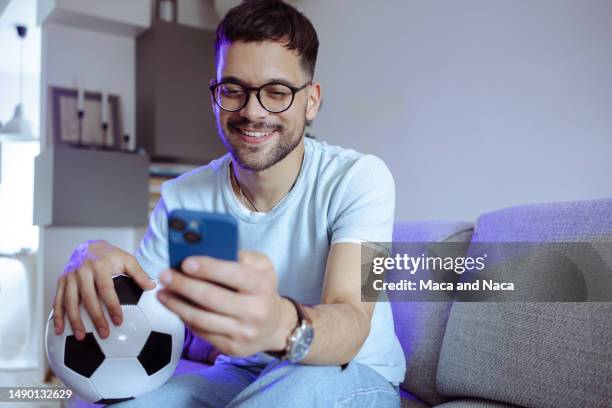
(339, 196)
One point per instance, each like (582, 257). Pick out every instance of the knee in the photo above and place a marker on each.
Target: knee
(355, 385)
(287, 383)
(304, 373)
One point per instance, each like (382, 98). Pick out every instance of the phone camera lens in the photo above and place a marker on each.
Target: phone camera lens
(192, 237)
(177, 224)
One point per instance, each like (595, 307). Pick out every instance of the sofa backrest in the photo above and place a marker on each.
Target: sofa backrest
(534, 354)
(420, 325)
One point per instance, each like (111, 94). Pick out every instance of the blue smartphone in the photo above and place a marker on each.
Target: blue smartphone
(201, 233)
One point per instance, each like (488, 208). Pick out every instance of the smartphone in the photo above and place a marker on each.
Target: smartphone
(201, 233)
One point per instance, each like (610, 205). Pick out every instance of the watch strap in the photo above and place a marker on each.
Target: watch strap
(301, 316)
(300, 310)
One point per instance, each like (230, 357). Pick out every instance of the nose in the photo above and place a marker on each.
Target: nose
(253, 109)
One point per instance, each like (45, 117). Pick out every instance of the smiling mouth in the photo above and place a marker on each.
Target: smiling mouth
(255, 133)
(253, 136)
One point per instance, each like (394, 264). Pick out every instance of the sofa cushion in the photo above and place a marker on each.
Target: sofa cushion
(432, 231)
(574, 221)
(410, 401)
(420, 325)
(534, 354)
(474, 403)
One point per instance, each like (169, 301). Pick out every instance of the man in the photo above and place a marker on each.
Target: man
(303, 208)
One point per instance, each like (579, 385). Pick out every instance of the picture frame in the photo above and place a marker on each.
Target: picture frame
(90, 133)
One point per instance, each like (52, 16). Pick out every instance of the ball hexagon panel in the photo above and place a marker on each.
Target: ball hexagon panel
(127, 289)
(83, 357)
(127, 339)
(161, 319)
(156, 353)
(119, 378)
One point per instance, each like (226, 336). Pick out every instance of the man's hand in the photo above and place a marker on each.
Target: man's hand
(89, 277)
(233, 305)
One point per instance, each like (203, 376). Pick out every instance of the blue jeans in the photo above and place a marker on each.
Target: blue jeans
(277, 384)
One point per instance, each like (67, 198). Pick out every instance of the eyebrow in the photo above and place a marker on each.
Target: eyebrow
(271, 80)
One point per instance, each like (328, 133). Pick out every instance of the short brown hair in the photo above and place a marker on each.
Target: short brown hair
(270, 20)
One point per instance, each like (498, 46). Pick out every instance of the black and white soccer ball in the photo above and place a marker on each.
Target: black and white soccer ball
(137, 357)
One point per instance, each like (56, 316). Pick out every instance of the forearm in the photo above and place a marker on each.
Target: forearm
(340, 330)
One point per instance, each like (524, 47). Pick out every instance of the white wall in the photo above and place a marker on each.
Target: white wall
(474, 105)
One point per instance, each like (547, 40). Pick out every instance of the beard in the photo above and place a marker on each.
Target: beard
(258, 158)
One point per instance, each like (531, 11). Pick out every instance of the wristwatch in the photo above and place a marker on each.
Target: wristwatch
(300, 339)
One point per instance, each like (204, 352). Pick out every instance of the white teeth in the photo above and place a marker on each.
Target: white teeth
(254, 134)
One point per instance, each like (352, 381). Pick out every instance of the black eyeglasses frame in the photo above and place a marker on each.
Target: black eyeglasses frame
(257, 89)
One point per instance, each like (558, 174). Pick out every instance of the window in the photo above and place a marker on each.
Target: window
(17, 197)
(16, 233)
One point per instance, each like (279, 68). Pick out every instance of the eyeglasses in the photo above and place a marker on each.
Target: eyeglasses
(274, 97)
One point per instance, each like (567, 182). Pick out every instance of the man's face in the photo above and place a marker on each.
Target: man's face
(256, 138)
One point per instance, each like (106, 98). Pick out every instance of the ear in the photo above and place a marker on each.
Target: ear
(213, 105)
(314, 101)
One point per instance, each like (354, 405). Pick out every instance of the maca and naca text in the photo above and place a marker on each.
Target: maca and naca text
(411, 264)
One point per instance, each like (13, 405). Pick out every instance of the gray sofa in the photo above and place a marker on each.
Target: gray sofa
(511, 354)
(461, 355)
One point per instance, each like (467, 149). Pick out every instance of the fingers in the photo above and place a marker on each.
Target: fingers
(221, 272)
(71, 305)
(222, 343)
(58, 307)
(106, 290)
(250, 275)
(133, 269)
(255, 260)
(208, 295)
(88, 277)
(199, 319)
(89, 296)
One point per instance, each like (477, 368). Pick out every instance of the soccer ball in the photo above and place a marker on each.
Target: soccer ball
(137, 357)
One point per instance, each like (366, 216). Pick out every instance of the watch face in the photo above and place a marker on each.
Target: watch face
(303, 339)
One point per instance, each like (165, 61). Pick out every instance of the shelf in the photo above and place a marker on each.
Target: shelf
(94, 188)
(119, 17)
